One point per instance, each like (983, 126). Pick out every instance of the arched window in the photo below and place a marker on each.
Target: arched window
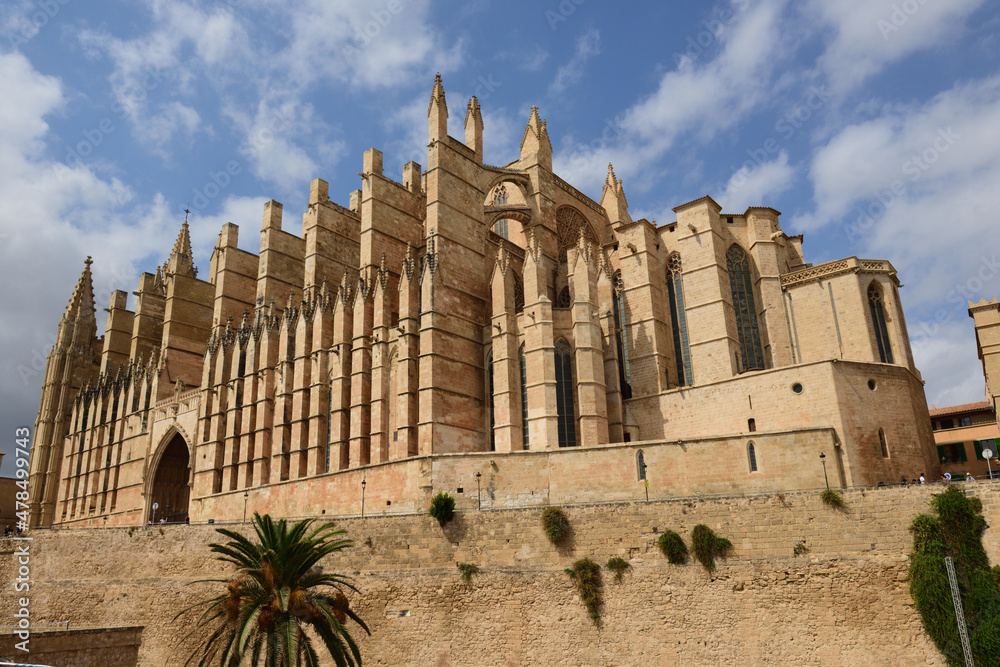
(518, 295)
(524, 400)
(500, 199)
(564, 299)
(741, 284)
(621, 340)
(882, 444)
(878, 319)
(752, 425)
(675, 292)
(752, 457)
(489, 401)
(564, 394)
(640, 465)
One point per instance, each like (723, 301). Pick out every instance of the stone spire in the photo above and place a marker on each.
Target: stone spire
(81, 304)
(474, 128)
(182, 258)
(535, 144)
(437, 111)
(613, 198)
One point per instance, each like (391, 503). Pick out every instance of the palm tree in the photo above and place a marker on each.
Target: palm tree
(279, 602)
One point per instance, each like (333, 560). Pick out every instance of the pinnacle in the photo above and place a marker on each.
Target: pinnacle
(182, 257)
(81, 304)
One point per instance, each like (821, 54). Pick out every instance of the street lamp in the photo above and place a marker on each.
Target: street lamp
(479, 493)
(822, 458)
(246, 497)
(363, 484)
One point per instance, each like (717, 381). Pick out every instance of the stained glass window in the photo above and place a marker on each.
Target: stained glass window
(675, 292)
(564, 394)
(741, 285)
(621, 340)
(878, 319)
(524, 399)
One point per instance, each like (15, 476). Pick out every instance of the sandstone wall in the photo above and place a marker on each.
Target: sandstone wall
(844, 602)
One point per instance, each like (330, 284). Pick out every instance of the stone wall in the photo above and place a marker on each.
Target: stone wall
(77, 647)
(843, 602)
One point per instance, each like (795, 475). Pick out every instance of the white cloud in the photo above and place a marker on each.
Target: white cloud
(587, 46)
(752, 186)
(871, 34)
(948, 363)
(696, 98)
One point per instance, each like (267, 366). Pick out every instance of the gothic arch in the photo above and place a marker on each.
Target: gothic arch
(569, 223)
(876, 312)
(168, 477)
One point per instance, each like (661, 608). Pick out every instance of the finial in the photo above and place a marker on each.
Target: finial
(88, 261)
(186, 213)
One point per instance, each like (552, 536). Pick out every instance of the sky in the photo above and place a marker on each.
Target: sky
(871, 125)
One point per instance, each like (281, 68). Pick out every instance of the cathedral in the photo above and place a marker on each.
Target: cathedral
(488, 331)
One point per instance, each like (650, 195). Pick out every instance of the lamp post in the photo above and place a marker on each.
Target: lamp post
(822, 458)
(479, 492)
(246, 497)
(363, 484)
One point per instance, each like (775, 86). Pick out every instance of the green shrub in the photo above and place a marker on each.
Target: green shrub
(956, 531)
(799, 548)
(556, 524)
(708, 546)
(619, 566)
(587, 575)
(442, 507)
(467, 570)
(833, 499)
(673, 547)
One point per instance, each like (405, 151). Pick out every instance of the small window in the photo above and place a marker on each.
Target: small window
(952, 453)
(797, 388)
(872, 385)
(752, 425)
(640, 465)
(965, 421)
(882, 444)
(989, 444)
(752, 457)
(947, 423)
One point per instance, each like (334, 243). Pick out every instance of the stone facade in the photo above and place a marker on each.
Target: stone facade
(986, 315)
(476, 319)
(845, 601)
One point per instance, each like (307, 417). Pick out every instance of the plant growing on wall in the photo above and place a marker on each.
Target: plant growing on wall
(467, 570)
(278, 608)
(833, 499)
(708, 546)
(587, 575)
(442, 507)
(673, 547)
(556, 524)
(956, 531)
(619, 566)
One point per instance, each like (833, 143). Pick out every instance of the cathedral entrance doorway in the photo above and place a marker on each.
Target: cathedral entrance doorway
(170, 483)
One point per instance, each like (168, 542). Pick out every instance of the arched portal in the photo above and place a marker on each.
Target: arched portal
(170, 482)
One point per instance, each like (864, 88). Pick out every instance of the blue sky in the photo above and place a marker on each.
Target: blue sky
(872, 126)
